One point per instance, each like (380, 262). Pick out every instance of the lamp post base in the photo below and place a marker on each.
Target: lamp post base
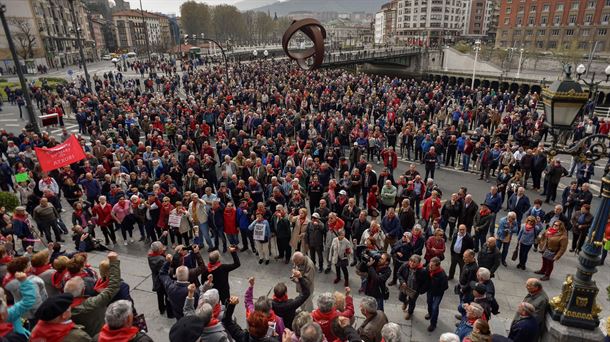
(557, 332)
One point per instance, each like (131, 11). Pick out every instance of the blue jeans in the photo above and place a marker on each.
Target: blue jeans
(434, 303)
(504, 247)
(465, 161)
(204, 232)
(233, 239)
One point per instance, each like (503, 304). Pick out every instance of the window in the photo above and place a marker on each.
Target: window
(528, 32)
(506, 21)
(519, 21)
(584, 32)
(545, 8)
(557, 20)
(602, 31)
(508, 10)
(605, 18)
(552, 45)
(533, 8)
(541, 32)
(574, 6)
(504, 33)
(570, 32)
(521, 8)
(582, 45)
(560, 7)
(555, 32)
(591, 4)
(517, 33)
(543, 20)
(530, 21)
(588, 19)
(572, 19)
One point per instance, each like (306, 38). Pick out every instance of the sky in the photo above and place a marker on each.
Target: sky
(172, 6)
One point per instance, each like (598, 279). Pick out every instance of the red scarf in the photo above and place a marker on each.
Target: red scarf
(77, 301)
(529, 227)
(154, 254)
(41, 269)
(484, 211)
(57, 279)
(213, 266)
(215, 313)
(7, 279)
(6, 259)
(551, 231)
(281, 299)
(51, 332)
(435, 272)
(101, 285)
(119, 335)
(5, 328)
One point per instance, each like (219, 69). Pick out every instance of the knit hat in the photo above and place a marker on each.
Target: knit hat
(187, 329)
(54, 307)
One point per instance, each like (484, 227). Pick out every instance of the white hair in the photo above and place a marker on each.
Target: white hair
(484, 273)
(117, 314)
(391, 332)
(182, 273)
(449, 337)
(326, 301)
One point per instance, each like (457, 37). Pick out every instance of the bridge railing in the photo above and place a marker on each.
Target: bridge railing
(349, 56)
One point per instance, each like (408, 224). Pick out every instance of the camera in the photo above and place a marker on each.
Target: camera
(366, 255)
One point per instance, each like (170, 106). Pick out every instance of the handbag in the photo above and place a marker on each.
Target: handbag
(548, 255)
(407, 291)
(515, 253)
(139, 321)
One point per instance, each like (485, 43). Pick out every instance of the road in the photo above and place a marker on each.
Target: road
(509, 281)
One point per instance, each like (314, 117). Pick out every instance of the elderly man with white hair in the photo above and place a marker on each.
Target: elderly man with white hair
(156, 259)
(525, 326)
(474, 311)
(374, 320)
(391, 332)
(449, 337)
(119, 324)
(308, 270)
(176, 290)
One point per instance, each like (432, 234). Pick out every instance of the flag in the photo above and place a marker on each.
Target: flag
(61, 155)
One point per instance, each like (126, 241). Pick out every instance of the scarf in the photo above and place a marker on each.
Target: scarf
(51, 332)
(213, 266)
(154, 254)
(119, 335)
(7, 279)
(77, 301)
(435, 272)
(101, 285)
(57, 279)
(6, 259)
(529, 227)
(484, 211)
(551, 231)
(41, 269)
(281, 299)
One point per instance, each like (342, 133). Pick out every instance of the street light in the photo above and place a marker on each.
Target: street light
(265, 53)
(222, 51)
(592, 84)
(254, 53)
(477, 48)
(24, 88)
(576, 305)
(80, 44)
(519, 66)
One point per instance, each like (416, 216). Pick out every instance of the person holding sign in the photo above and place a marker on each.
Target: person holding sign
(261, 232)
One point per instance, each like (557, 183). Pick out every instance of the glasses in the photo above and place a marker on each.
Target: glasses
(556, 224)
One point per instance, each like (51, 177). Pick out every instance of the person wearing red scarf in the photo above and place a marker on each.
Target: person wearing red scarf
(437, 285)
(230, 224)
(119, 325)
(54, 321)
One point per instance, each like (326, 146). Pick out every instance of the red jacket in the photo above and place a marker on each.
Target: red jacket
(386, 157)
(103, 214)
(430, 211)
(230, 221)
(164, 210)
(422, 191)
(325, 319)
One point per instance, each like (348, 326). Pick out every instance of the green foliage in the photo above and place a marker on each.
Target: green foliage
(462, 47)
(57, 80)
(9, 201)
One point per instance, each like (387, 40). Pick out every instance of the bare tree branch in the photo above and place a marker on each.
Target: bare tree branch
(24, 36)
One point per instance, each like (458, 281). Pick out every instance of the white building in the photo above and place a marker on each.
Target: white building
(430, 22)
(379, 27)
(131, 32)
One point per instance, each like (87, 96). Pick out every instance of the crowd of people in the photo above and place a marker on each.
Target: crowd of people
(285, 166)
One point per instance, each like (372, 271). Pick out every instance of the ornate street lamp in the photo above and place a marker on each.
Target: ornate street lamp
(592, 84)
(576, 306)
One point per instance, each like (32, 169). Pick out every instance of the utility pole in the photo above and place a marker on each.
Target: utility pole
(24, 88)
(145, 31)
(80, 45)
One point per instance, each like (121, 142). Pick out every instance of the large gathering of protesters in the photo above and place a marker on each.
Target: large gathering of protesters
(327, 171)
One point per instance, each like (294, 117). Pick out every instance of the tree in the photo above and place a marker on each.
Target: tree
(24, 36)
(228, 23)
(196, 18)
(569, 53)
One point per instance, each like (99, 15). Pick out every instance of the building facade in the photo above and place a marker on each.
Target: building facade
(133, 27)
(554, 25)
(477, 18)
(385, 23)
(429, 22)
(51, 28)
(344, 33)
